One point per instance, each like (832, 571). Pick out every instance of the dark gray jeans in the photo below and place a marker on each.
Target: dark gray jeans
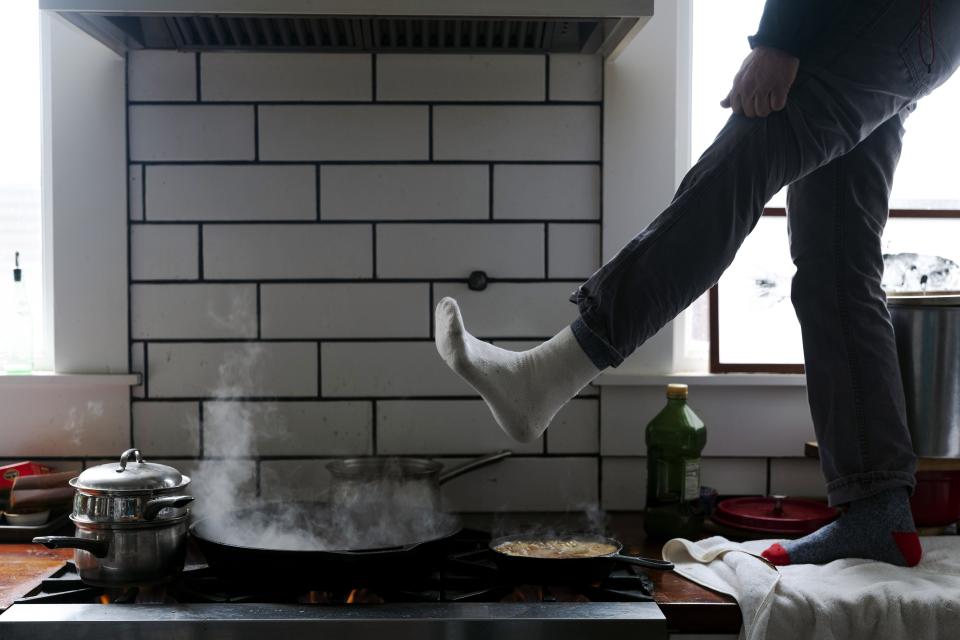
(836, 144)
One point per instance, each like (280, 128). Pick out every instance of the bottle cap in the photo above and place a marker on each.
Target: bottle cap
(677, 391)
(17, 273)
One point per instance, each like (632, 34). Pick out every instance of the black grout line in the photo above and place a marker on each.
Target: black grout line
(432, 304)
(348, 103)
(199, 97)
(317, 189)
(256, 133)
(546, 78)
(200, 252)
(373, 77)
(490, 190)
(546, 250)
(296, 456)
(376, 340)
(200, 406)
(126, 134)
(430, 133)
(146, 373)
(257, 471)
(425, 280)
(486, 222)
(319, 369)
(344, 163)
(259, 315)
(373, 427)
(373, 248)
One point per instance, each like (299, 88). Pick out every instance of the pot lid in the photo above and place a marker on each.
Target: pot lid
(920, 299)
(129, 476)
(774, 514)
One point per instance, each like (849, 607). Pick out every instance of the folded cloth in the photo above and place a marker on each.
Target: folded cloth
(842, 600)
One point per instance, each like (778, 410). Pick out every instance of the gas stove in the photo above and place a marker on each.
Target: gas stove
(465, 597)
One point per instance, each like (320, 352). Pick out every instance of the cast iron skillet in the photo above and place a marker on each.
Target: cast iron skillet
(306, 569)
(529, 569)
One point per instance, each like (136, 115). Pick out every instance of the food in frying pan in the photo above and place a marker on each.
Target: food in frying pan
(556, 548)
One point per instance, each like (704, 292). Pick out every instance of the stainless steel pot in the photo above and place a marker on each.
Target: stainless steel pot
(927, 328)
(412, 483)
(131, 522)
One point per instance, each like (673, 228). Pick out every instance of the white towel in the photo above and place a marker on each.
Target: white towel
(842, 600)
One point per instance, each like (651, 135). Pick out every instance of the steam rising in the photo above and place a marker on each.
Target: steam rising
(369, 513)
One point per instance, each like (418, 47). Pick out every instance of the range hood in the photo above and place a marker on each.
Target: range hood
(449, 26)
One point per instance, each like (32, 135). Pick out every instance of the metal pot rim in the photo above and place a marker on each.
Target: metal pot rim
(129, 493)
(133, 524)
(921, 299)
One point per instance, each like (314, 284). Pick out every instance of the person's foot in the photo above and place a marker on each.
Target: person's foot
(524, 390)
(879, 527)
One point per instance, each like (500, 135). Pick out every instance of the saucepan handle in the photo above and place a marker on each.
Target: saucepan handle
(649, 563)
(155, 506)
(483, 461)
(98, 548)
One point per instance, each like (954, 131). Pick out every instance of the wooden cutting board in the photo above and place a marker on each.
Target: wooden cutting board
(24, 566)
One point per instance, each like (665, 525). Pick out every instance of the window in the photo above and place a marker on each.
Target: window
(752, 321)
(20, 131)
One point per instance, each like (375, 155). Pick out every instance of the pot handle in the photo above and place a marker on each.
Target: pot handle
(649, 563)
(155, 506)
(98, 548)
(483, 461)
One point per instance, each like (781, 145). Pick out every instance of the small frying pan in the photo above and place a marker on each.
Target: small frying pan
(573, 570)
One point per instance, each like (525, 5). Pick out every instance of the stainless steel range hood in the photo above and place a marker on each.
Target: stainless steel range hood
(447, 26)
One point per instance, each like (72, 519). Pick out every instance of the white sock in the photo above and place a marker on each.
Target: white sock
(524, 390)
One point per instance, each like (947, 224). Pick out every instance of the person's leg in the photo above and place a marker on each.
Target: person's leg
(836, 217)
(861, 80)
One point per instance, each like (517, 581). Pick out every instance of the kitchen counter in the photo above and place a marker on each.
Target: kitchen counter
(688, 607)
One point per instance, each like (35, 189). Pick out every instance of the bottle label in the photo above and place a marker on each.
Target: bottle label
(691, 479)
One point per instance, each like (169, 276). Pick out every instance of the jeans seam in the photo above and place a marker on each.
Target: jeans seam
(843, 313)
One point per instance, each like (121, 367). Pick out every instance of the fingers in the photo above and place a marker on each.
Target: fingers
(761, 105)
(778, 100)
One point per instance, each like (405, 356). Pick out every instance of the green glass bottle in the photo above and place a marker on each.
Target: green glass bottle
(675, 438)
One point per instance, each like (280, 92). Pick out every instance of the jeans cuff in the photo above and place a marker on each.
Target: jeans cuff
(600, 353)
(864, 485)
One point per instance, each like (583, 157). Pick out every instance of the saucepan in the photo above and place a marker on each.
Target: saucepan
(563, 559)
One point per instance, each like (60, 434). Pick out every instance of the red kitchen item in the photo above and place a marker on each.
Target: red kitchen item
(774, 514)
(11, 472)
(936, 500)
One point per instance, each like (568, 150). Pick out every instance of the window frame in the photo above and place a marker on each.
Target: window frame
(716, 366)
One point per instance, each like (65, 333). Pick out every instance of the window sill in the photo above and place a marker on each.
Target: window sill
(614, 379)
(49, 379)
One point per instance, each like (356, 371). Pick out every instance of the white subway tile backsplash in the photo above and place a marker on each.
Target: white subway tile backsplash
(524, 484)
(442, 427)
(344, 132)
(339, 428)
(166, 428)
(193, 311)
(306, 480)
(511, 309)
(218, 484)
(387, 369)
(294, 77)
(624, 484)
(443, 77)
(576, 77)
(454, 250)
(240, 251)
(735, 476)
(233, 192)
(360, 310)
(574, 250)
(187, 132)
(404, 192)
(798, 477)
(776, 422)
(554, 192)
(232, 369)
(576, 428)
(570, 133)
(158, 75)
(164, 252)
(135, 191)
